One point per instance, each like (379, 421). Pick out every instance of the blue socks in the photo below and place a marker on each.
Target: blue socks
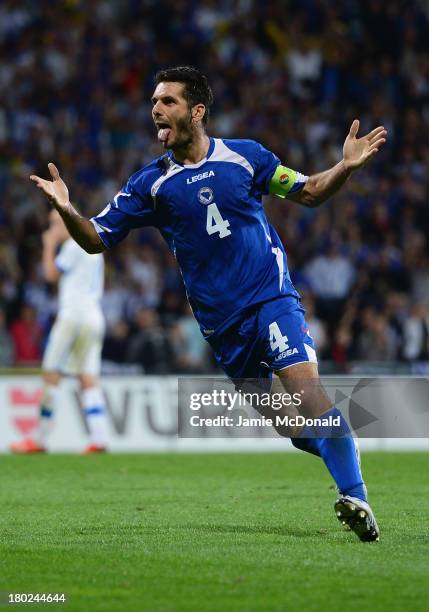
(338, 452)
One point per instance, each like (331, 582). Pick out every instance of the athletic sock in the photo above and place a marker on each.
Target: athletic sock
(95, 412)
(46, 413)
(338, 452)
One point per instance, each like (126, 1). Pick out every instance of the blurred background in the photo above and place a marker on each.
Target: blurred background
(76, 79)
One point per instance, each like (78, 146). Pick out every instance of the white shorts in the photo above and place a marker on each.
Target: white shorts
(74, 347)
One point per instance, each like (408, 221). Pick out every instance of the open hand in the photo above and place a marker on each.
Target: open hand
(56, 190)
(358, 151)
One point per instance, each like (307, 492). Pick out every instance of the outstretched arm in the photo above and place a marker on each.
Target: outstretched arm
(50, 244)
(80, 229)
(356, 153)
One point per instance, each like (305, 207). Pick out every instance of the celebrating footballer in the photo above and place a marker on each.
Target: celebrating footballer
(204, 194)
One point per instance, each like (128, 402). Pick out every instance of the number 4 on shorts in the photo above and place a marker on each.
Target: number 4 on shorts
(277, 341)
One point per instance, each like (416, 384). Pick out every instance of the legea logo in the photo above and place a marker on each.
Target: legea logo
(200, 177)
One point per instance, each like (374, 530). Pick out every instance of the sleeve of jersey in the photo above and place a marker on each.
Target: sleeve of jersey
(65, 259)
(129, 209)
(264, 166)
(285, 181)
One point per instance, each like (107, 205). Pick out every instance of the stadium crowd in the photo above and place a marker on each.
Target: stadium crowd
(76, 79)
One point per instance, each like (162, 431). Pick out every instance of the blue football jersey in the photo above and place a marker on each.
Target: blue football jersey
(212, 217)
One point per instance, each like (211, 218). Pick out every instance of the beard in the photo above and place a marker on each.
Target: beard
(184, 132)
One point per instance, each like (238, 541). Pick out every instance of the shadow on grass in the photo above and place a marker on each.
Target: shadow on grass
(410, 538)
(256, 530)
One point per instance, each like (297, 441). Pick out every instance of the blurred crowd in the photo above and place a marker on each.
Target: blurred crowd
(76, 79)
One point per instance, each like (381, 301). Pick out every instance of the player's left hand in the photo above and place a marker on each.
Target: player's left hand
(358, 151)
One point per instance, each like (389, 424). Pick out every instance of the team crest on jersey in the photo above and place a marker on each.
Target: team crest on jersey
(205, 195)
(284, 178)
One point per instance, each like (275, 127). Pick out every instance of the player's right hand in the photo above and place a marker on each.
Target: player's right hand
(56, 190)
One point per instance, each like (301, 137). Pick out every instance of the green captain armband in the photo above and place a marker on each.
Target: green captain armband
(283, 180)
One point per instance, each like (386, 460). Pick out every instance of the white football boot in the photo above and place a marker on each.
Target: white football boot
(357, 514)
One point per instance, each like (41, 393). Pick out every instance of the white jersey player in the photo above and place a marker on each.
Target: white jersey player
(76, 339)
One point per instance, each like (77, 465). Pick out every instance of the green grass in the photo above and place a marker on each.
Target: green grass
(211, 532)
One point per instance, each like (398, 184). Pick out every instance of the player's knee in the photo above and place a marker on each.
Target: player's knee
(87, 381)
(316, 402)
(51, 377)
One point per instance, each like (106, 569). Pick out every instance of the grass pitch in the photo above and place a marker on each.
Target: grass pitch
(211, 532)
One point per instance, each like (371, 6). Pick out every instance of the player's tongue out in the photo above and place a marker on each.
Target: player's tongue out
(163, 134)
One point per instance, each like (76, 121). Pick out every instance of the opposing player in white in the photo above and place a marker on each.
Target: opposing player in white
(76, 339)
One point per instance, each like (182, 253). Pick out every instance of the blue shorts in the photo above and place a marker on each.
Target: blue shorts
(268, 338)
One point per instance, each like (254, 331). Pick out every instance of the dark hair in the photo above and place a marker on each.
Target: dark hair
(197, 89)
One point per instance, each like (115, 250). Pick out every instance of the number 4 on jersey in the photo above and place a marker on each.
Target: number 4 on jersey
(215, 223)
(277, 341)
